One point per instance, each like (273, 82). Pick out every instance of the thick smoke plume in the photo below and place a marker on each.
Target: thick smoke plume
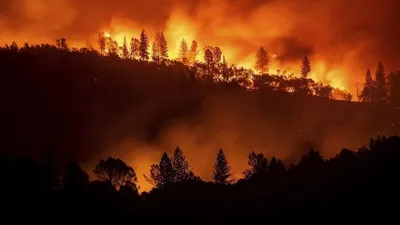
(342, 38)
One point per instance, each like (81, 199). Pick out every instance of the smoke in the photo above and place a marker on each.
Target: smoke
(341, 37)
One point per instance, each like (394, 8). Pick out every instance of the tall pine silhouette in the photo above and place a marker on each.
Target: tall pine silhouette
(262, 61)
(181, 167)
(161, 174)
(305, 67)
(184, 54)
(125, 51)
(222, 171)
(381, 84)
(135, 48)
(144, 46)
(369, 88)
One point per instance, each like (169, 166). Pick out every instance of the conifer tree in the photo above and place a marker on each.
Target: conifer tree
(394, 81)
(369, 88)
(161, 174)
(163, 48)
(113, 48)
(155, 52)
(181, 167)
(276, 167)
(209, 60)
(184, 52)
(222, 171)
(125, 52)
(102, 43)
(159, 48)
(258, 165)
(305, 67)
(144, 46)
(134, 48)
(380, 84)
(262, 61)
(217, 56)
(193, 52)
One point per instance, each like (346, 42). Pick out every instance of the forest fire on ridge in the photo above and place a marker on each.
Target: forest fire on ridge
(341, 48)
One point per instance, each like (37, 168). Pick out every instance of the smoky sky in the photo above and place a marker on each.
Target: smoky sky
(355, 34)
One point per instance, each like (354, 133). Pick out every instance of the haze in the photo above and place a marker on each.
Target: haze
(343, 38)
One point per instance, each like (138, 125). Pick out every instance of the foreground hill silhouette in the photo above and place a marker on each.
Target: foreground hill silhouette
(61, 108)
(79, 104)
(352, 186)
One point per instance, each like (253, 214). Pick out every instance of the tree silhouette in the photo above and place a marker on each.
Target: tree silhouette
(181, 168)
(193, 52)
(276, 167)
(184, 54)
(160, 48)
(155, 53)
(209, 60)
(144, 46)
(380, 84)
(161, 174)
(62, 44)
(125, 51)
(312, 161)
(102, 43)
(222, 171)
(394, 84)
(116, 172)
(217, 56)
(135, 48)
(305, 67)
(369, 88)
(113, 48)
(163, 47)
(262, 61)
(225, 70)
(75, 178)
(258, 165)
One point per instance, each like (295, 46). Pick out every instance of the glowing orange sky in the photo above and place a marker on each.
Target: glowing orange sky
(342, 38)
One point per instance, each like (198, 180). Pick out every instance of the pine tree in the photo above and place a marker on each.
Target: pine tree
(159, 48)
(163, 48)
(102, 43)
(276, 167)
(193, 52)
(184, 52)
(161, 174)
(262, 61)
(209, 59)
(181, 168)
(113, 48)
(305, 67)
(381, 84)
(225, 70)
(125, 52)
(135, 48)
(144, 46)
(14, 47)
(217, 56)
(394, 83)
(61, 44)
(221, 174)
(369, 88)
(258, 165)
(155, 52)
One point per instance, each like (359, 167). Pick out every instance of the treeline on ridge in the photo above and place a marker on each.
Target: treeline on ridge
(309, 191)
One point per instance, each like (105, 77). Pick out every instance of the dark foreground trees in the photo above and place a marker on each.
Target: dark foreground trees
(346, 185)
